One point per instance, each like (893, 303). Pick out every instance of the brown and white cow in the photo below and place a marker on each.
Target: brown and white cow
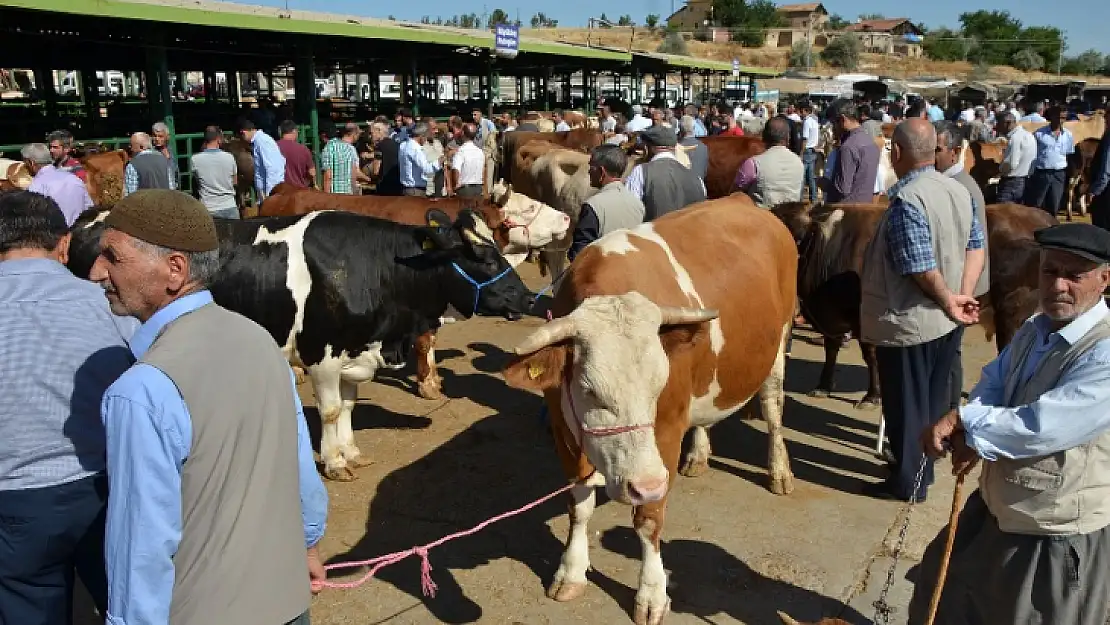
(104, 178)
(651, 339)
(726, 154)
(832, 240)
(14, 175)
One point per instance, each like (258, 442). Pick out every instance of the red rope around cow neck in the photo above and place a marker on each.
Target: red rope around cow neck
(426, 584)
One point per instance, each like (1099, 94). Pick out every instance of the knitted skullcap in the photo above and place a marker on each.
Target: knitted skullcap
(171, 219)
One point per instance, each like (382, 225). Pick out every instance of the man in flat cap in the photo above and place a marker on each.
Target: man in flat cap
(222, 537)
(663, 184)
(1033, 542)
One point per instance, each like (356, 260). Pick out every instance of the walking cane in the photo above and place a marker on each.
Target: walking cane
(943, 572)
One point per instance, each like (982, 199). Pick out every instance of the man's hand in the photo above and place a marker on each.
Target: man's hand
(962, 308)
(936, 437)
(964, 458)
(316, 573)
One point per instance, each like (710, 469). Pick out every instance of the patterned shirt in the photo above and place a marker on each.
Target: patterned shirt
(339, 157)
(910, 239)
(131, 176)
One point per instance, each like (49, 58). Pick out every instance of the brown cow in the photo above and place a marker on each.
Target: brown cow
(787, 620)
(582, 139)
(832, 240)
(726, 154)
(105, 176)
(651, 340)
(244, 166)
(14, 175)
(1079, 176)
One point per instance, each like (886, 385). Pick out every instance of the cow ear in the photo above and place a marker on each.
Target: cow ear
(433, 239)
(538, 371)
(683, 336)
(436, 218)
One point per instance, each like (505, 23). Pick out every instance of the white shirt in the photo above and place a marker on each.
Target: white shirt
(1021, 151)
(811, 131)
(887, 119)
(637, 123)
(608, 124)
(470, 162)
(968, 115)
(794, 117)
(635, 180)
(562, 126)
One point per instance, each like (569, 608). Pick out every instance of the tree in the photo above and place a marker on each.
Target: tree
(1087, 63)
(801, 54)
(945, 44)
(625, 20)
(1045, 41)
(996, 32)
(604, 21)
(391, 18)
(673, 43)
(1027, 60)
(843, 51)
(540, 20)
(748, 20)
(836, 22)
(497, 17)
(652, 20)
(871, 17)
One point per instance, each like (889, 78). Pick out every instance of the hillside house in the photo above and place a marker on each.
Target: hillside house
(888, 36)
(802, 22)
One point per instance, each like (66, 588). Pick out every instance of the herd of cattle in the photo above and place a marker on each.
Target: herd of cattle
(652, 334)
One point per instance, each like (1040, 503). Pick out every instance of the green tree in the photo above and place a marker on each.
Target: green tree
(673, 43)
(1027, 60)
(870, 17)
(1090, 61)
(997, 33)
(748, 20)
(945, 44)
(540, 20)
(1045, 41)
(625, 20)
(836, 22)
(604, 21)
(843, 51)
(497, 17)
(652, 20)
(801, 54)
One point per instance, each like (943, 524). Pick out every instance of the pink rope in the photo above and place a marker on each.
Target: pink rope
(427, 586)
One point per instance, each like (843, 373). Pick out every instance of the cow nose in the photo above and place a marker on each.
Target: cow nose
(648, 490)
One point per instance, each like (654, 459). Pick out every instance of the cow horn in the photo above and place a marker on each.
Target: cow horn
(673, 315)
(786, 620)
(556, 330)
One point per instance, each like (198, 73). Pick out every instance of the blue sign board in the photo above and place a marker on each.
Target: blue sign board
(506, 39)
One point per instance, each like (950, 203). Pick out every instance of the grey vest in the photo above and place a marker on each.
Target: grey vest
(1064, 493)
(699, 156)
(153, 170)
(894, 311)
(616, 208)
(779, 177)
(241, 558)
(669, 186)
(984, 283)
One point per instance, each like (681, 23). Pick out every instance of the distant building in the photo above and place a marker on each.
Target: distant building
(804, 22)
(692, 16)
(888, 36)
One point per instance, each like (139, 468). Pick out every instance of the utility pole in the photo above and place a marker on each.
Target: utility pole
(1060, 58)
(809, 44)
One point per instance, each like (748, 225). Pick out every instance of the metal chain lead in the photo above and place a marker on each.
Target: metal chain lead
(883, 610)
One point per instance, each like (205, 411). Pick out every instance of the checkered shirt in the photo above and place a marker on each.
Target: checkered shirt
(339, 157)
(909, 240)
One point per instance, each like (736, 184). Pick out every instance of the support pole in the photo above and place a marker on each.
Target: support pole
(415, 81)
(89, 92)
(44, 84)
(307, 113)
(546, 93)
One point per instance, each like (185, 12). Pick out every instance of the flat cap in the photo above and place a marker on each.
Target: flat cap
(660, 136)
(171, 219)
(1090, 242)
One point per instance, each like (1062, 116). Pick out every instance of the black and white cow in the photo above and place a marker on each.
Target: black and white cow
(333, 287)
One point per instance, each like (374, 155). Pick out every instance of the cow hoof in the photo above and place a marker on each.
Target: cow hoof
(818, 392)
(562, 590)
(430, 389)
(648, 614)
(358, 462)
(869, 403)
(783, 484)
(694, 468)
(342, 474)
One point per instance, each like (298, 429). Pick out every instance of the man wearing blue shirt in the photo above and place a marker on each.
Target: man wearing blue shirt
(62, 349)
(1033, 542)
(269, 164)
(1049, 178)
(214, 493)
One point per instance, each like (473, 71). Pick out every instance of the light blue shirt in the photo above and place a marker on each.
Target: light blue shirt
(935, 113)
(149, 437)
(1071, 414)
(1052, 149)
(414, 165)
(269, 163)
(1035, 118)
(699, 128)
(485, 127)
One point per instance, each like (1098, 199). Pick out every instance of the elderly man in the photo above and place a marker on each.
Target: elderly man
(1032, 544)
(469, 162)
(214, 172)
(63, 349)
(385, 169)
(663, 184)
(60, 143)
(64, 188)
(269, 164)
(695, 149)
(415, 168)
(210, 467)
(980, 129)
(486, 141)
(1048, 181)
(339, 162)
(147, 168)
(611, 208)
(857, 164)
(927, 245)
(1035, 113)
(775, 176)
(1017, 160)
(160, 140)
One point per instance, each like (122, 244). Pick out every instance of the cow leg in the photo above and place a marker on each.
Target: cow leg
(347, 447)
(697, 459)
(771, 400)
(828, 371)
(555, 261)
(428, 382)
(652, 602)
(570, 579)
(873, 399)
(326, 383)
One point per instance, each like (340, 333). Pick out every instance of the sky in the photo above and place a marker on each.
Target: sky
(1085, 24)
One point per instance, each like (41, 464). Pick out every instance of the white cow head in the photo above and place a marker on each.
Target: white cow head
(531, 224)
(610, 360)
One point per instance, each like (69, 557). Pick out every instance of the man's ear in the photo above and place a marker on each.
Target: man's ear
(538, 371)
(61, 250)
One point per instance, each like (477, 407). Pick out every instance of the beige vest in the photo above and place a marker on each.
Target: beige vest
(1063, 493)
(894, 311)
(779, 177)
(241, 558)
(616, 208)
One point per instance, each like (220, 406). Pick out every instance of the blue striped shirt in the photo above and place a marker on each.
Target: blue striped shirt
(62, 348)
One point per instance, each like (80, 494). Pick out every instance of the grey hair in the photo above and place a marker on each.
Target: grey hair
(37, 153)
(159, 127)
(202, 265)
(143, 140)
(420, 129)
(687, 124)
(952, 133)
(64, 137)
(919, 145)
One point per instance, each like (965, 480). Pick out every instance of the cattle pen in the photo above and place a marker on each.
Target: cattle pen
(106, 68)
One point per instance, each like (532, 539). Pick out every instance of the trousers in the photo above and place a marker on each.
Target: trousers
(1045, 189)
(1011, 189)
(46, 535)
